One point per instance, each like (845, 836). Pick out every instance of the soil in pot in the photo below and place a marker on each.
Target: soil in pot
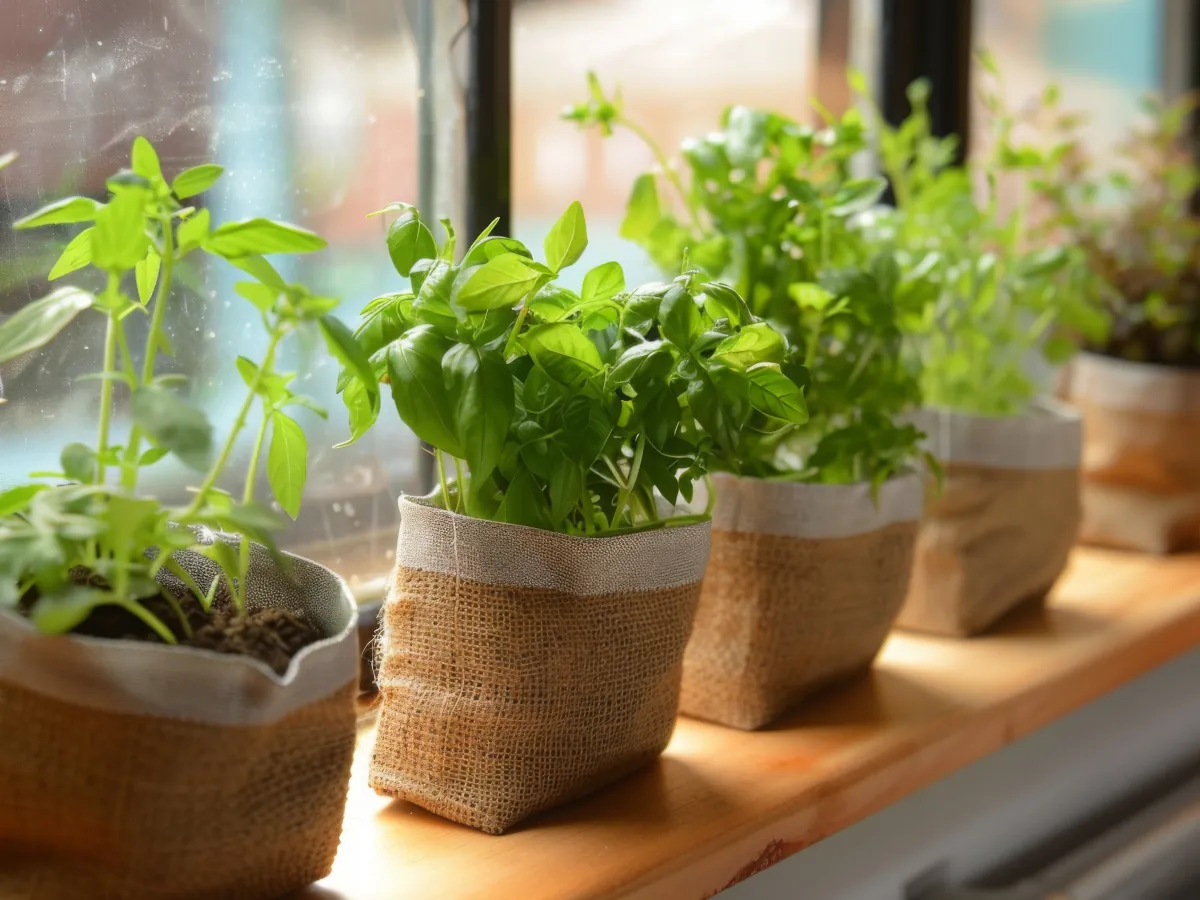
(270, 635)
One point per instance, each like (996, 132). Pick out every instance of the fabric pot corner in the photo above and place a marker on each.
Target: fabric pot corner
(803, 584)
(521, 668)
(132, 769)
(1141, 465)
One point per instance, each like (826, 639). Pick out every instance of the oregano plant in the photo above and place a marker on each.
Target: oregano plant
(998, 294)
(80, 536)
(574, 412)
(770, 206)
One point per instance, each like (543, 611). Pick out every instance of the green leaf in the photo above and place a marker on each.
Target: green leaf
(248, 369)
(603, 282)
(119, 240)
(174, 424)
(563, 352)
(16, 499)
(489, 248)
(287, 462)
(523, 502)
(810, 296)
(481, 390)
(195, 180)
(61, 212)
(553, 302)
(153, 455)
(566, 488)
(753, 344)
(498, 283)
(775, 394)
(650, 358)
(261, 237)
(61, 611)
(567, 238)
(680, 321)
(365, 398)
(419, 388)
(76, 255)
(642, 212)
(408, 240)
(260, 295)
(193, 230)
(7, 159)
(1057, 350)
(36, 324)
(260, 270)
(723, 302)
(144, 159)
(79, 463)
(857, 195)
(146, 275)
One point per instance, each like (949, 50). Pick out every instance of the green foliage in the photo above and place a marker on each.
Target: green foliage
(773, 207)
(1133, 220)
(997, 296)
(67, 549)
(570, 412)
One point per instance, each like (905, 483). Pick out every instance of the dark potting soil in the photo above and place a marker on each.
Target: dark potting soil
(270, 635)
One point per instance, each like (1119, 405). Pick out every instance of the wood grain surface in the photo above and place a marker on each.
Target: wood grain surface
(721, 804)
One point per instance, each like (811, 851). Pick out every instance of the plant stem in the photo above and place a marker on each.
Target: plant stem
(589, 511)
(129, 477)
(441, 469)
(106, 386)
(627, 487)
(459, 483)
(173, 602)
(668, 171)
(149, 618)
(252, 469)
(511, 344)
(219, 466)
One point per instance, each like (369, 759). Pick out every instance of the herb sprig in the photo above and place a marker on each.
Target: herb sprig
(773, 208)
(567, 411)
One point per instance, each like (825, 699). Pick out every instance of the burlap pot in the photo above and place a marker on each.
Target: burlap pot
(802, 586)
(522, 668)
(136, 770)
(1000, 531)
(1141, 453)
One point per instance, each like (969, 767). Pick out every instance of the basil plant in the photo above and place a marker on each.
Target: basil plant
(574, 412)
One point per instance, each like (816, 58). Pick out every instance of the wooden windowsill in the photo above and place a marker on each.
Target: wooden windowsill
(722, 804)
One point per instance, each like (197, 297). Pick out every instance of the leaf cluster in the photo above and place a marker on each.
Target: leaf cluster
(1133, 219)
(91, 540)
(568, 411)
(773, 207)
(996, 295)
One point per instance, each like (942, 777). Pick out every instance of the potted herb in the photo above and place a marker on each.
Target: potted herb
(543, 594)
(176, 701)
(999, 530)
(814, 522)
(1137, 386)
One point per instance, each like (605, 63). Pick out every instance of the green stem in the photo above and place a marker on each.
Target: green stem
(252, 469)
(222, 460)
(129, 478)
(149, 618)
(711, 490)
(668, 171)
(589, 511)
(173, 602)
(441, 470)
(511, 344)
(460, 484)
(627, 487)
(106, 386)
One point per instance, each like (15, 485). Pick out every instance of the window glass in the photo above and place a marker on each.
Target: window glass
(679, 64)
(310, 106)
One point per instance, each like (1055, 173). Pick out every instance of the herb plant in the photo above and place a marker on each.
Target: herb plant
(85, 538)
(1136, 224)
(771, 206)
(568, 411)
(998, 296)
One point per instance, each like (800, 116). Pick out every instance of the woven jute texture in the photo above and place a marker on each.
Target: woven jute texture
(237, 800)
(500, 699)
(1141, 459)
(1001, 529)
(781, 616)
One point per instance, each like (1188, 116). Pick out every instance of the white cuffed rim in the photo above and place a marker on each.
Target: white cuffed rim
(1111, 383)
(502, 554)
(801, 510)
(1048, 436)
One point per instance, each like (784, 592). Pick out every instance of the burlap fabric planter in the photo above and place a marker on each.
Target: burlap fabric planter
(1141, 453)
(522, 668)
(803, 583)
(135, 770)
(1001, 529)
